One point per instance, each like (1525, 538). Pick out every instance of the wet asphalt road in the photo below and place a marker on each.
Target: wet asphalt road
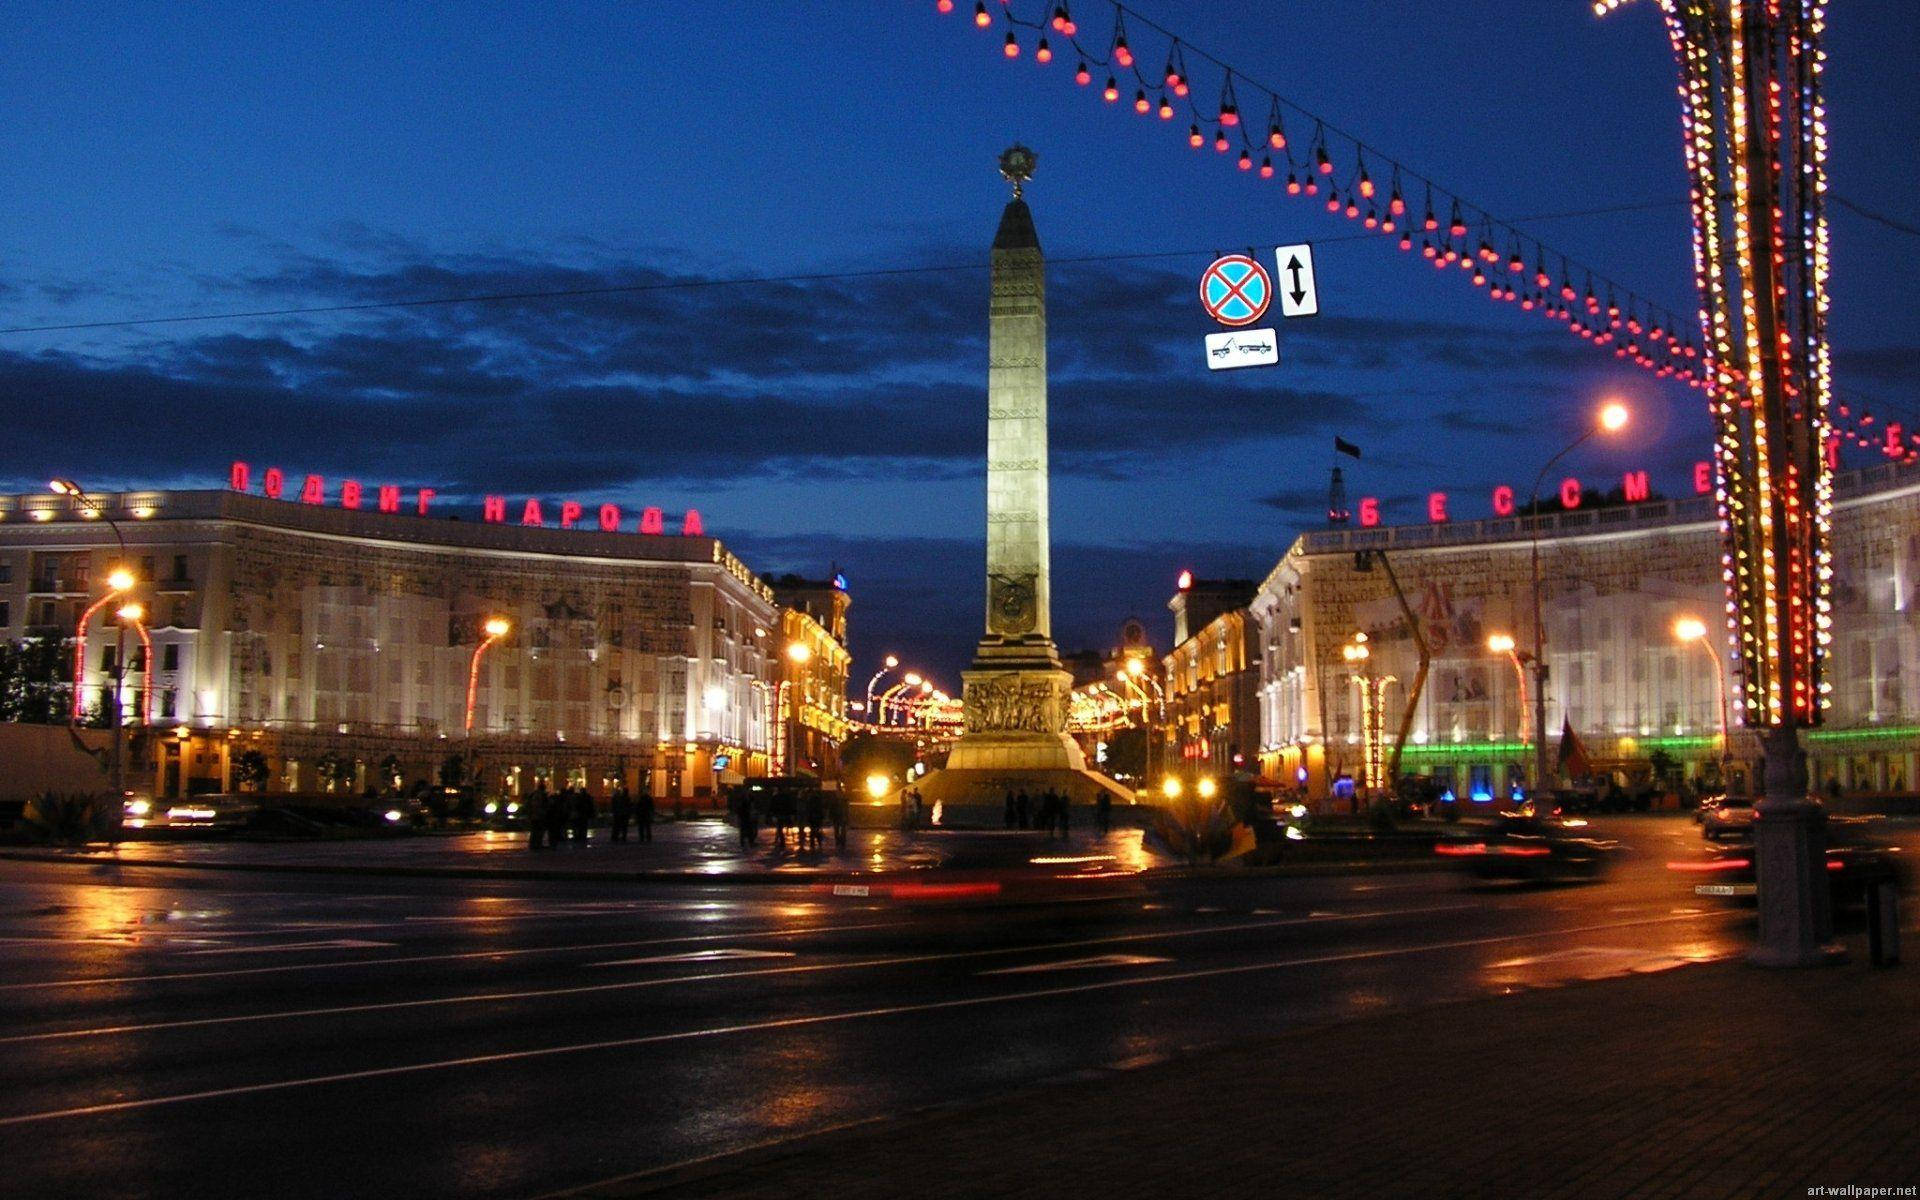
(182, 1033)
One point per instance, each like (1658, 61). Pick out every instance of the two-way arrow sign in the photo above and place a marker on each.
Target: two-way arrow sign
(1298, 298)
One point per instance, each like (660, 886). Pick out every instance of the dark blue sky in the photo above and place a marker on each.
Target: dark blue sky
(172, 159)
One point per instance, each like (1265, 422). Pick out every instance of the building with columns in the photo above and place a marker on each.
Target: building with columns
(813, 679)
(1615, 583)
(313, 631)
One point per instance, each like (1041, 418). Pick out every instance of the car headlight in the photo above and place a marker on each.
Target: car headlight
(493, 806)
(394, 814)
(513, 806)
(139, 808)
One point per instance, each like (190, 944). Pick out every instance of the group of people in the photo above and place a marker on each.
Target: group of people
(1051, 810)
(808, 812)
(553, 817)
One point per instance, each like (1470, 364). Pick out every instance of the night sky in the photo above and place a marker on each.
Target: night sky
(166, 160)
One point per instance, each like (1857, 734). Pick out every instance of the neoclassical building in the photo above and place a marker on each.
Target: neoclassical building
(315, 631)
(1615, 582)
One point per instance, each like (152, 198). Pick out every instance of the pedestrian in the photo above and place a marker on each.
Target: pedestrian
(816, 814)
(536, 818)
(582, 814)
(919, 810)
(1022, 808)
(1061, 808)
(1103, 813)
(620, 811)
(558, 814)
(840, 815)
(1010, 813)
(643, 815)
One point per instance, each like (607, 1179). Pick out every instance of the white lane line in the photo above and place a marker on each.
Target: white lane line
(1080, 964)
(455, 956)
(280, 947)
(281, 1085)
(669, 980)
(723, 954)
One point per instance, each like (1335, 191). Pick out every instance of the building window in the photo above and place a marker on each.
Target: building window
(170, 657)
(179, 568)
(167, 701)
(106, 658)
(6, 617)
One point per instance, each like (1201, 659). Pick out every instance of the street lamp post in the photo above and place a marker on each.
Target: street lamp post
(1612, 418)
(799, 654)
(495, 629)
(890, 663)
(1502, 643)
(1692, 629)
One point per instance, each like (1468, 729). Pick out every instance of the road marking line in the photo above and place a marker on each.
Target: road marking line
(328, 944)
(711, 976)
(1080, 964)
(724, 954)
(455, 956)
(281, 1085)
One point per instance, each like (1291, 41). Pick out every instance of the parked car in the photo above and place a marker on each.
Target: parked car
(1522, 846)
(1732, 817)
(223, 811)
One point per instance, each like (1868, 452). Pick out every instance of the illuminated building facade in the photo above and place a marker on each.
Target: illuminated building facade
(1616, 581)
(313, 633)
(812, 692)
(1212, 676)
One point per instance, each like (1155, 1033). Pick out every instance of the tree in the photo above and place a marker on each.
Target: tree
(250, 770)
(391, 773)
(336, 770)
(36, 681)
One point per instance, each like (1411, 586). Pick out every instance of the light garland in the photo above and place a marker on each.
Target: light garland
(1601, 311)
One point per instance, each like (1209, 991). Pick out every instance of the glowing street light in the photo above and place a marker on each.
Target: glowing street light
(1693, 629)
(1612, 418)
(495, 628)
(1170, 787)
(1207, 787)
(1502, 643)
(889, 664)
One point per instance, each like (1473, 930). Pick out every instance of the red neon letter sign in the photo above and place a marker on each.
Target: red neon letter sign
(1437, 507)
(691, 525)
(426, 498)
(389, 498)
(273, 483)
(609, 518)
(569, 513)
(349, 493)
(1369, 512)
(493, 508)
(1702, 478)
(239, 476)
(1634, 485)
(1503, 501)
(314, 490)
(530, 514)
(1569, 493)
(652, 520)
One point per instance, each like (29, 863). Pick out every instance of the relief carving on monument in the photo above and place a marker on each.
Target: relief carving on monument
(1013, 703)
(1011, 607)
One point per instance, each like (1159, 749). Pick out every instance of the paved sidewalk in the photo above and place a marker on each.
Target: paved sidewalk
(1720, 1080)
(699, 851)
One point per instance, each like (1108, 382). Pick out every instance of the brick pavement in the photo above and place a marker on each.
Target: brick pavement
(1720, 1080)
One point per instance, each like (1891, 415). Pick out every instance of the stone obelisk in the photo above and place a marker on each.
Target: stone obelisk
(1016, 691)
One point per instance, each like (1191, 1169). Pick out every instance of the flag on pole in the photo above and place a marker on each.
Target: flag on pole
(1573, 762)
(1343, 446)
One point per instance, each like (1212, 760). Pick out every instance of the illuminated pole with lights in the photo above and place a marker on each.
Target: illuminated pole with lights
(1755, 141)
(1692, 629)
(119, 582)
(135, 614)
(495, 629)
(1373, 724)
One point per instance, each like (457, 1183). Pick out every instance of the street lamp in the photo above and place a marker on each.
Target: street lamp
(890, 663)
(495, 628)
(1693, 629)
(120, 581)
(799, 654)
(129, 613)
(1612, 418)
(1502, 643)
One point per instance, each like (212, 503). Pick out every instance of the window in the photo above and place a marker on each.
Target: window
(146, 567)
(106, 658)
(6, 617)
(179, 568)
(170, 657)
(167, 701)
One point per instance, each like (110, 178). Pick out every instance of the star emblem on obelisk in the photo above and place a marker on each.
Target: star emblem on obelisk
(1016, 166)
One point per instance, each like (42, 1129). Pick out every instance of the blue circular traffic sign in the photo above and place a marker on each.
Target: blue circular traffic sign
(1235, 290)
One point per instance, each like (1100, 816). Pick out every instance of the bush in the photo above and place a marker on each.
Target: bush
(76, 818)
